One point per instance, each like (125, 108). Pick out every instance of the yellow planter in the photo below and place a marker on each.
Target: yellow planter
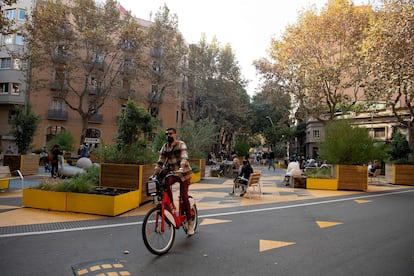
(105, 205)
(48, 200)
(195, 177)
(4, 184)
(321, 184)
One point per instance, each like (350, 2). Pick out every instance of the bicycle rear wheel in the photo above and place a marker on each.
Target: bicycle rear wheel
(157, 241)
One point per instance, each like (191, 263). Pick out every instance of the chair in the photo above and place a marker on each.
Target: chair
(374, 179)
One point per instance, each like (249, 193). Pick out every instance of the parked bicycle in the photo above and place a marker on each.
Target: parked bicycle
(160, 223)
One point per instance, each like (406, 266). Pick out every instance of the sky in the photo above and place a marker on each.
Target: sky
(247, 25)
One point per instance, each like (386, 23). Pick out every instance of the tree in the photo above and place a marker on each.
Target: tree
(90, 49)
(134, 122)
(198, 136)
(389, 49)
(318, 59)
(167, 62)
(399, 148)
(24, 125)
(217, 90)
(5, 23)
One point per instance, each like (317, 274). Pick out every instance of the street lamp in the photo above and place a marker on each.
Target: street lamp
(270, 119)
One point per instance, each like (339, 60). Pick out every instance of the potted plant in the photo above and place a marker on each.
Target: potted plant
(349, 148)
(400, 169)
(323, 178)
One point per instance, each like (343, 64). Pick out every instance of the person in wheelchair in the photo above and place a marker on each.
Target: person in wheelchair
(243, 177)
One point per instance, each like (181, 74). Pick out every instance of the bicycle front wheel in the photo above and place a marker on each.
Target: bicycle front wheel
(156, 240)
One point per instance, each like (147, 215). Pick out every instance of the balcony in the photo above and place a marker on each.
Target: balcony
(7, 98)
(57, 85)
(96, 118)
(95, 91)
(60, 58)
(154, 98)
(57, 115)
(184, 106)
(127, 94)
(97, 64)
(128, 70)
(156, 52)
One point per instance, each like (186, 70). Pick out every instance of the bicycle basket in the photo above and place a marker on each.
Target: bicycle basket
(153, 187)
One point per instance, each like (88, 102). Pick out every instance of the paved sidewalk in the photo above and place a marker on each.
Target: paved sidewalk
(210, 193)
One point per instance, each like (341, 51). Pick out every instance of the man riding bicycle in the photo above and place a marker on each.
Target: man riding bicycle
(174, 157)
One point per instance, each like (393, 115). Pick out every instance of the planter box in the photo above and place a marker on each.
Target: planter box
(40, 199)
(322, 184)
(352, 177)
(399, 174)
(195, 177)
(127, 176)
(27, 164)
(105, 205)
(102, 204)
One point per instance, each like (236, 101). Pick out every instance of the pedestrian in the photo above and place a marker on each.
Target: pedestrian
(271, 158)
(54, 160)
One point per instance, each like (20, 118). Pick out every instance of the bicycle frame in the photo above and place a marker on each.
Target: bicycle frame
(176, 219)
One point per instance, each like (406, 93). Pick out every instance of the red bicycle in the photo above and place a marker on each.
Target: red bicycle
(160, 223)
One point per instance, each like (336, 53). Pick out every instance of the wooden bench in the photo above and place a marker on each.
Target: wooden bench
(252, 184)
(6, 176)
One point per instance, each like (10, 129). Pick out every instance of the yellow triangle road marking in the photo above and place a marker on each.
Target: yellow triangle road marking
(359, 201)
(268, 245)
(326, 224)
(213, 221)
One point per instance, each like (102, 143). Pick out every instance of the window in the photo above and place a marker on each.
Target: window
(4, 87)
(19, 39)
(316, 134)
(52, 131)
(379, 132)
(5, 63)
(11, 14)
(16, 88)
(57, 105)
(8, 39)
(22, 15)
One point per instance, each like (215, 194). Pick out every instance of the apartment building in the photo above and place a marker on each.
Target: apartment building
(13, 70)
(46, 100)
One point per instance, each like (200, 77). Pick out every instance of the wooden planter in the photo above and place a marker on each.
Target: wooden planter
(352, 177)
(27, 164)
(399, 174)
(127, 176)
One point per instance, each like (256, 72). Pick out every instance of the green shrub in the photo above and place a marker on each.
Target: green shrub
(399, 148)
(81, 183)
(241, 148)
(135, 154)
(348, 145)
(325, 173)
(65, 141)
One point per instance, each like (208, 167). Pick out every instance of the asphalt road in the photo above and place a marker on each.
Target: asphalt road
(347, 235)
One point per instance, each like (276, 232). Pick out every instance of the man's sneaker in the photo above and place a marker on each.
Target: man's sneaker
(190, 230)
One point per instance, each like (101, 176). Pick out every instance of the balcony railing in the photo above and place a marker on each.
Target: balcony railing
(96, 118)
(127, 94)
(6, 98)
(57, 85)
(60, 58)
(57, 115)
(154, 98)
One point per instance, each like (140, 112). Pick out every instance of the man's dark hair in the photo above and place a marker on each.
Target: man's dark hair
(171, 128)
